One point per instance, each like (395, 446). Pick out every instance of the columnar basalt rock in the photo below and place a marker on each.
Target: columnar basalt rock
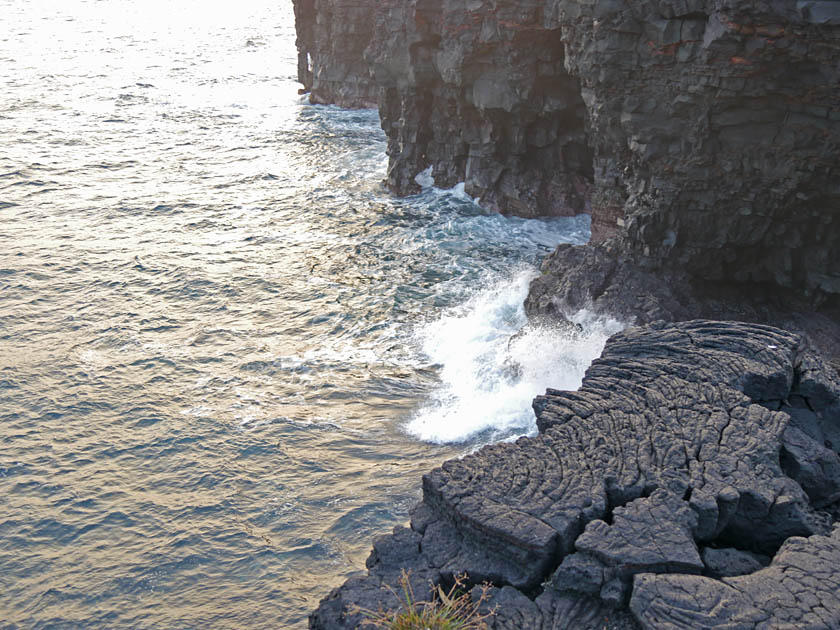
(690, 482)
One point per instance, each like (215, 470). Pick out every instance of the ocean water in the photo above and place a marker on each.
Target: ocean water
(227, 354)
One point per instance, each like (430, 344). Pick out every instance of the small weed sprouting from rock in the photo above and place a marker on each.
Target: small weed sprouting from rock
(447, 610)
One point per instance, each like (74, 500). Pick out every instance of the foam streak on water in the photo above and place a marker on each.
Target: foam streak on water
(492, 362)
(227, 355)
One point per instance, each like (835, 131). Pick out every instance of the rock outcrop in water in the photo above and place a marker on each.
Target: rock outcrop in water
(702, 135)
(479, 92)
(331, 39)
(693, 481)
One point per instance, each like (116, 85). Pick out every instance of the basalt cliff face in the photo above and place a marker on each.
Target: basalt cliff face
(479, 91)
(702, 135)
(331, 40)
(693, 481)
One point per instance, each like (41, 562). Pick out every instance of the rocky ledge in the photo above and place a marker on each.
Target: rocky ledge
(693, 481)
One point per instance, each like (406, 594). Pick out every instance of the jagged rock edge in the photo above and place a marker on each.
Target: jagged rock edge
(385, 550)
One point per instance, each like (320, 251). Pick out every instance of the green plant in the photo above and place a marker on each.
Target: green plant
(447, 610)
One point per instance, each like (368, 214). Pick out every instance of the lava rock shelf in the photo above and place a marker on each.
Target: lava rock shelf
(692, 481)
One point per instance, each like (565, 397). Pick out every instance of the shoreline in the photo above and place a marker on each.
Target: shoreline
(701, 138)
(693, 458)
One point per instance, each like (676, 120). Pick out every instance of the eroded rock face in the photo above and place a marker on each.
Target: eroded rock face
(606, 279)
(715, 127)
(664, 472)
(478, 90)
(331, 39)
(702, 135)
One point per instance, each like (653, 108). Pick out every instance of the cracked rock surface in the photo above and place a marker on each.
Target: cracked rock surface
(674, 490)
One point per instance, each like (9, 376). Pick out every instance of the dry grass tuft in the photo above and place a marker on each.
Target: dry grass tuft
(447, 610)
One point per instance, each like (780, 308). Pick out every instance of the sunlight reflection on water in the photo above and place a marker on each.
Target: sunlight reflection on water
(212, 319)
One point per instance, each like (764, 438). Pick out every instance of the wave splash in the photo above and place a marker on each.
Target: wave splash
(492, 362)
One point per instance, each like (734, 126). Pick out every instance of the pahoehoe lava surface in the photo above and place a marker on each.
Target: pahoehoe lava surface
(691, 482)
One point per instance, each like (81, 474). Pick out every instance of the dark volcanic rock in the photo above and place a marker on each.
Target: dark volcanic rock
(702, 135)
(800, 589)
(555, 611)
(478, 90)
(651, 534)
(331, 39)
(715, 128)
(605, 280)
(730, 562)
(674, 442)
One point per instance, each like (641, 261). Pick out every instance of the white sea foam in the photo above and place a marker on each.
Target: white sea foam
(492, 363)
(459, 191)
(425, 179)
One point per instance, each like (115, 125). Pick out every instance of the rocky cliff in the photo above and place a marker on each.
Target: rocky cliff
(331, 39)
(479, 91)
(693, 481)
(701, 135)
(715, 128)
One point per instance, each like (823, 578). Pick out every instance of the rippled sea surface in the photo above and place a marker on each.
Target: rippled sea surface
(227, 354)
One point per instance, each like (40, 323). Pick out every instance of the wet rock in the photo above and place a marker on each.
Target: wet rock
(672, 444)
(605, 279)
